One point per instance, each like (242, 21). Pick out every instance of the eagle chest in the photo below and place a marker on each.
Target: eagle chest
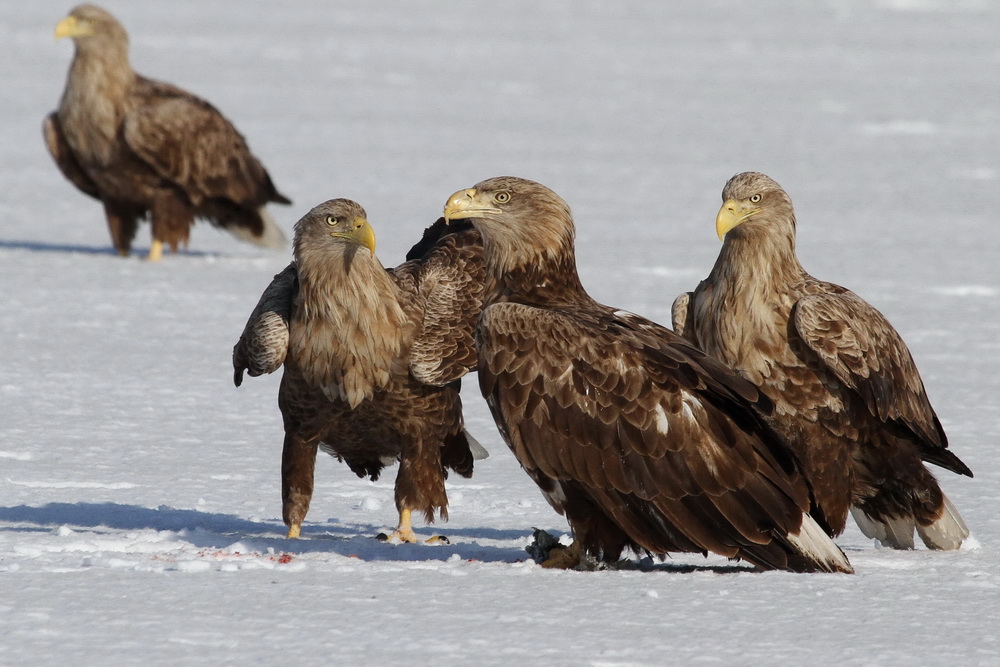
(746, 328)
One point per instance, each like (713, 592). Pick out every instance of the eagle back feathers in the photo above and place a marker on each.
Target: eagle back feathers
(449, 281)
(582, 400)
(212, 160)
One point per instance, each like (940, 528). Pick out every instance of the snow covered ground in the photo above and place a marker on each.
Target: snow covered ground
(139, 490)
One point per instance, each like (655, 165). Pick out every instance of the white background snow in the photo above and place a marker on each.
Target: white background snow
(139, 490)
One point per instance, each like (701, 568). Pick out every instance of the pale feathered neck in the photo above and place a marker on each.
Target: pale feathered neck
(97, 96)
(102, 64)
(761, 251)
(343, 273)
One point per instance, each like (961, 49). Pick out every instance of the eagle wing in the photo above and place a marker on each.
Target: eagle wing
(450, 280)
(639, 418)
(681, 315)
(264, 342)
(190, 143)
(855, 342)
(61, 152)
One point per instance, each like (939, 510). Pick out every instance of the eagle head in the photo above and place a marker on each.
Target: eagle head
(520, 220)
(86, 21)
(751, 196)
(336, 221)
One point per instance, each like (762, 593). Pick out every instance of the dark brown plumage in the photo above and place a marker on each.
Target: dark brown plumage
(372, 358)
(642, 441)
(847, 393)
(149, 149)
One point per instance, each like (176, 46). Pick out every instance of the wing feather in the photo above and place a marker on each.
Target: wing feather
(264, 342)
(61, 152)
(191, 144)
(450, 281)
(859, 346)
(681, 315)
(715, 484)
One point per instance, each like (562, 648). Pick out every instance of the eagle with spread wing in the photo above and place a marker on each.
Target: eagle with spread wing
(846, 390)
(149, 149)
(373, 358)
(640, 439)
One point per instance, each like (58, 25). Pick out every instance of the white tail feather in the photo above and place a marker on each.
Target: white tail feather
(478, 451)
(948, 532)
(813, 542)
(272, 237)
(896, 533)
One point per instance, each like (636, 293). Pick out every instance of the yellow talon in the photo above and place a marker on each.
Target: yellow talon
(404, 531)
(293, 531)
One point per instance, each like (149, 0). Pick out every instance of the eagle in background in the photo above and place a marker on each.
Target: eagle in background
(148, 149)
(641, 440)
(372, 358)
(847, 394)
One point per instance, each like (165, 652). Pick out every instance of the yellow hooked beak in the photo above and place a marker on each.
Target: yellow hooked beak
(731, 215)
(467, 204)
(361, 232)
(70, 27)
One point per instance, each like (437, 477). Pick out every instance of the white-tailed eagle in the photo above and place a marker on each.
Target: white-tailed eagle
(847, 394)
(373, 358)
(149, 149)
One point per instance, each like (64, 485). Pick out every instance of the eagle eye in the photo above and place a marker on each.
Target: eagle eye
(501, 197)
(330, 220)
(755, 199)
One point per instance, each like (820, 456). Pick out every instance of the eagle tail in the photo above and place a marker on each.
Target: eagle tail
(478, 451)
(895, 532)
(948, 531)
(270, 235)
(460, 451)
(816, 547)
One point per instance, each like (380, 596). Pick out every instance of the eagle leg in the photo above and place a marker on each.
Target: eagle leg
(123, 221)
(171, 217)
(155, 251)
(404, 531)
(298, 465)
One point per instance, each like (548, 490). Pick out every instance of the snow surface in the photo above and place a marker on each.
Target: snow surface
(139, 490)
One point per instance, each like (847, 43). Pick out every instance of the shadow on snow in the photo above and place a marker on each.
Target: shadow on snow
(208, 530)
(39, 246)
